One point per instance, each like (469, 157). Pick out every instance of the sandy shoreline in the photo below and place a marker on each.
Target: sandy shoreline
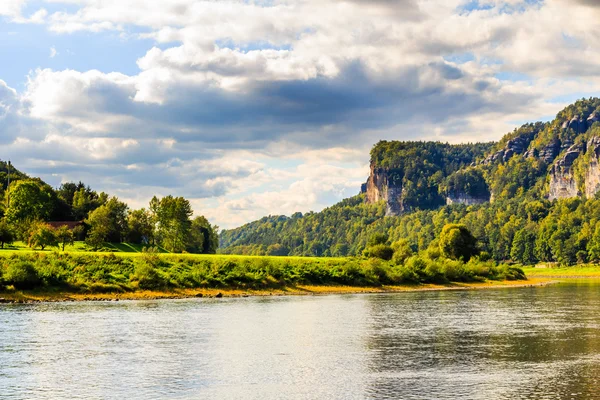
(25, 297)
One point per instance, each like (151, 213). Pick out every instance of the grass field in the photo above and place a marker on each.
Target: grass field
(126, 272)
(577, 271)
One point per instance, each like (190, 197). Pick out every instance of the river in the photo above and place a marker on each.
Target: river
(529, 343)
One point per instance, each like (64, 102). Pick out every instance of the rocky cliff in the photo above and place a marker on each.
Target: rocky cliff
(562, 175)
(383, 184)
(592, 176)
(557, 159)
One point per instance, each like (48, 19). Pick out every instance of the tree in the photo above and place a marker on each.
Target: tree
(377, 238)
(7, 235)
(205, 239)
(523, 246)
(65, 237)
(100, 225)
(172, 216)
(456, 242)
(42, 235)
(402, 251)
(277, 250)
(29, 200)
(108, 223)
(140, 227)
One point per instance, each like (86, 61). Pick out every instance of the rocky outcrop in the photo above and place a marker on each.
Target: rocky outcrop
(514, 146)
(592, 175)
(384, 185)
(581, 125)
(562, 179)
(549, 152)
(592, 119)
(463, 198)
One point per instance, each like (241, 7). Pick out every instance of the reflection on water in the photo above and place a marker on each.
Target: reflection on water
(501, 344)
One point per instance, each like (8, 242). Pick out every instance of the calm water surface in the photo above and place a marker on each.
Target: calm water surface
(537, 343)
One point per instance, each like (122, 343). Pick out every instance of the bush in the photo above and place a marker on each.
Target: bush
(22, 275)
(147, 275)
(381, 251)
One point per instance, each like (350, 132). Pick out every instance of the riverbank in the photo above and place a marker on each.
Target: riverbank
(36, 296)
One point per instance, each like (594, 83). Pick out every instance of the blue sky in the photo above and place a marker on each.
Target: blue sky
(252, 108)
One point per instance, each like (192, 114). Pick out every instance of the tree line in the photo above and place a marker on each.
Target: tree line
(30, 204)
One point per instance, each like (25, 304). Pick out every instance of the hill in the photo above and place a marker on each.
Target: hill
(529, 197)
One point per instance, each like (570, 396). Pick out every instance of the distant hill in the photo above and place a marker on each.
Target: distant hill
(14, 175)
(529, 180)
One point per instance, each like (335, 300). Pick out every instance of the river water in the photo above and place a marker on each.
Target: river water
(533, 343)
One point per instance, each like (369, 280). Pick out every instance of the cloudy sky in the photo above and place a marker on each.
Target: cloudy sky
(258, 107)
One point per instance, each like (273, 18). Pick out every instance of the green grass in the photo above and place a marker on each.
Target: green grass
(586, 270)
(88, 272)
(80, 247)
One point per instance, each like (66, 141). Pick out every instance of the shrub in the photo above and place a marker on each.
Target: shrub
(381, 251)
(457, 242)
(147, 276)
(21, 274)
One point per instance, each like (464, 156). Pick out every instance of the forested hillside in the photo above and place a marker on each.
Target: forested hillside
(530, 197)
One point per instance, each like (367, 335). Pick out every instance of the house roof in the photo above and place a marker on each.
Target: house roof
(68, 224)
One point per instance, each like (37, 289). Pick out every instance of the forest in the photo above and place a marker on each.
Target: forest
(517, 223)
(42, 217)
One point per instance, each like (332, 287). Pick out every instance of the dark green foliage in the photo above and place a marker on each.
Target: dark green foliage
(457, 243)
(7, 235)
(469, 181)
(381, 251)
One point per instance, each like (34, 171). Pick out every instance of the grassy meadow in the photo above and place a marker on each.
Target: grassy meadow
(124, 269)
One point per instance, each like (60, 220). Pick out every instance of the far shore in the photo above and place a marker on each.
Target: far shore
(38, 296)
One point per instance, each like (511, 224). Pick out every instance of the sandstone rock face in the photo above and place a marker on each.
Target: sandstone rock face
(514, 146)
(577, 123)
(381, 187)
(550, 151)
(592, 176)
(593, 118)
(463, 198)
(562, 179)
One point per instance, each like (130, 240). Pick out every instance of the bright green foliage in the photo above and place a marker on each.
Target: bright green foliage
(402, 251)
(457, 243)
(42, 235)
(64, 237)
(29, 200)
(172, 215)
(21, 274)
(100, 223)
(7, 235)
(108, 223)
(523, 246)
(110, 273)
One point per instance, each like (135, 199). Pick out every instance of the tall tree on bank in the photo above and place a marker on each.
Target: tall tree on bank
(204, 238)
(173, 224)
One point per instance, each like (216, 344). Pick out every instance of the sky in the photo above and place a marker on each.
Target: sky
(265, 107)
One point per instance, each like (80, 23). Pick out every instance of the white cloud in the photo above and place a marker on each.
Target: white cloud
(53, 52)
(254, 109)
